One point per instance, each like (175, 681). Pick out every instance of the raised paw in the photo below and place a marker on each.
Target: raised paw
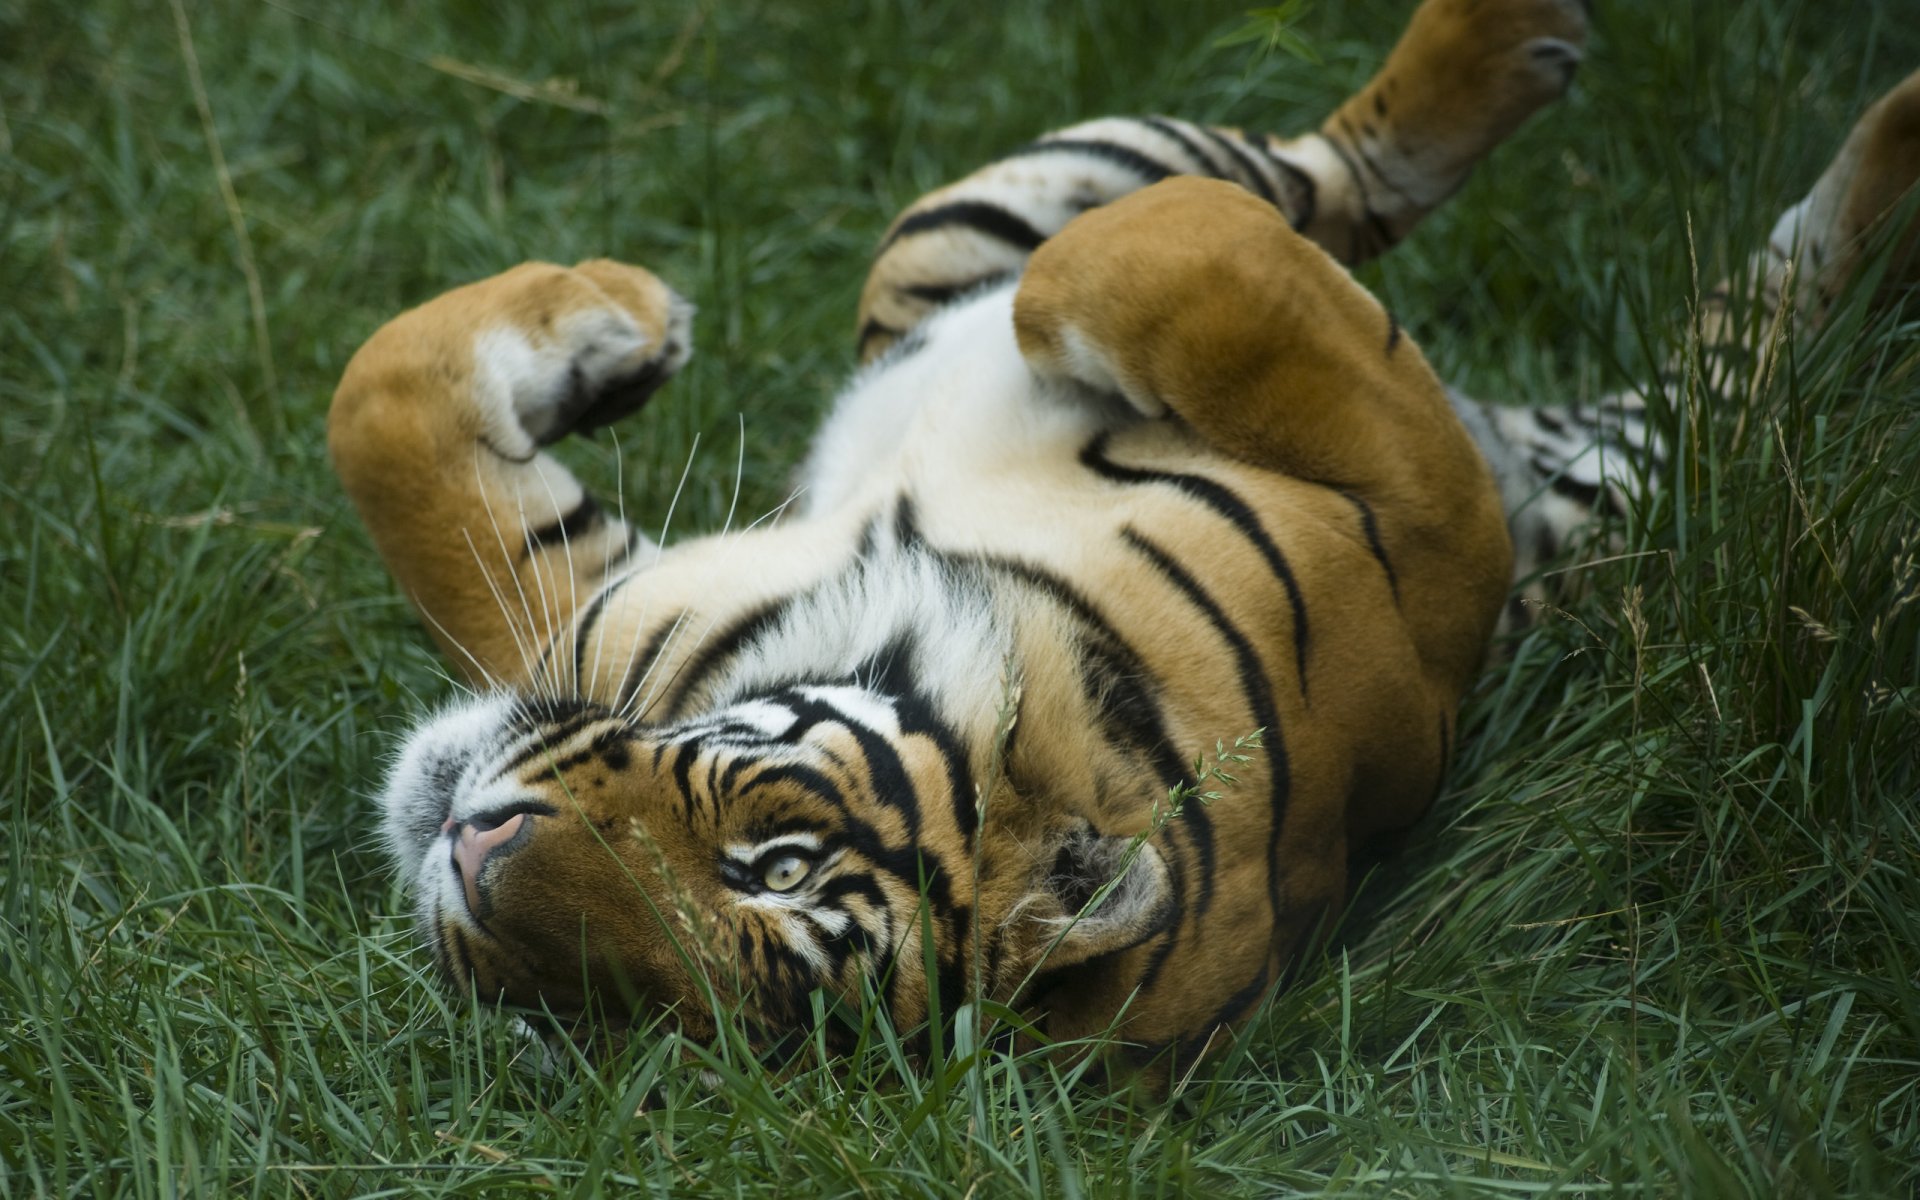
(1464, 75)
(568, 351)
(532, 354)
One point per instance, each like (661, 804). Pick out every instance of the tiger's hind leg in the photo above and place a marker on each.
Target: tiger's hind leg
(1463, 76)
(1561, 465)
(1461, 79)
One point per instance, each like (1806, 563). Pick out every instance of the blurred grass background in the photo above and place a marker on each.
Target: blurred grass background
(1662, 937)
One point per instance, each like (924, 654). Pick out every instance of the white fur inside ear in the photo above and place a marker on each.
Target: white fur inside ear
(1138, 899)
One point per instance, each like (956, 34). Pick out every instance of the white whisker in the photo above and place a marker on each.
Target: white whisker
(499, 599)
(739, 472)
(542, 579)
(628, 709)
(486, 501)
(666, 526)
(573, 596)
(455, 642)
(606, 566)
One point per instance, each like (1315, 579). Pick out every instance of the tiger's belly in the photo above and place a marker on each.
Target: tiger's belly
(1238, 599)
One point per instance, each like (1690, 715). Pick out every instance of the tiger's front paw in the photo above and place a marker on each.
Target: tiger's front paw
(570, 350)
(524, 358)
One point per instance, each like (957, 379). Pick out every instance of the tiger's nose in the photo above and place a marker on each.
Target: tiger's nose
(472, 843)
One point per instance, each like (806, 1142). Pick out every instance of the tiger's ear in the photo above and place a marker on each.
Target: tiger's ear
(1112, 894)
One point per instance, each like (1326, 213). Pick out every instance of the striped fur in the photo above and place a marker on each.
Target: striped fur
(1133, 470)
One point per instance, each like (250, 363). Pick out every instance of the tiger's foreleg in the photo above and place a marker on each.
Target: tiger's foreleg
(1463, 76)
(437, 431)
(1193, 298)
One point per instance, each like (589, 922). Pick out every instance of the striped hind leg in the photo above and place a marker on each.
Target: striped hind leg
(1561, 465)
(1463, 76)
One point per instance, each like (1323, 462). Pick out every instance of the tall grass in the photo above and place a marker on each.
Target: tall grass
(1662, 936)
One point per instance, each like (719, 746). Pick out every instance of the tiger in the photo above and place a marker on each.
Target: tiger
(1132, 472)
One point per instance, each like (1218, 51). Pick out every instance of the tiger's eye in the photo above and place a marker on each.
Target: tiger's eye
(785, 873)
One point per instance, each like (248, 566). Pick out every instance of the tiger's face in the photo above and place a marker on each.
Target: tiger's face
(560, 856)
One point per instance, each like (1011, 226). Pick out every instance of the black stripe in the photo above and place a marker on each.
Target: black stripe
(1353, 169)
(1237, 513)
(1306, 193)
(941, 294)
(815, 784)
(1371, 527)
(1147, 725)
(1129, 715)
(735, 638)
(1361, 152)
(1383, 235)
(1255, 685)
(583, 628)
(1384, 238)
(1393, 334)
(685, 753)
(892, 784)
(1186, 144)
(871, 330)
(546, 740)
(889, 673)
(1148, 168)
(642, 662)
(1255, 181)
(1585, 494)
(585, 516)
(1592, 496)
(742, 761)
(981, 216)
(1124, 699)
(1060, 592)
(906, 523)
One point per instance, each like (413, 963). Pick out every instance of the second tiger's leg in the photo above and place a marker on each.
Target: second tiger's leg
(1560, 465)
(1462, 77)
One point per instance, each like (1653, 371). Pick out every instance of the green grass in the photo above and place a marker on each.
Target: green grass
(1662, 936)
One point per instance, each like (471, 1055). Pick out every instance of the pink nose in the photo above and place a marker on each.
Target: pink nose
(470, 852)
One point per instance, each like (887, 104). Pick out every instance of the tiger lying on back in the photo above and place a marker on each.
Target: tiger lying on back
(1133, 467)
